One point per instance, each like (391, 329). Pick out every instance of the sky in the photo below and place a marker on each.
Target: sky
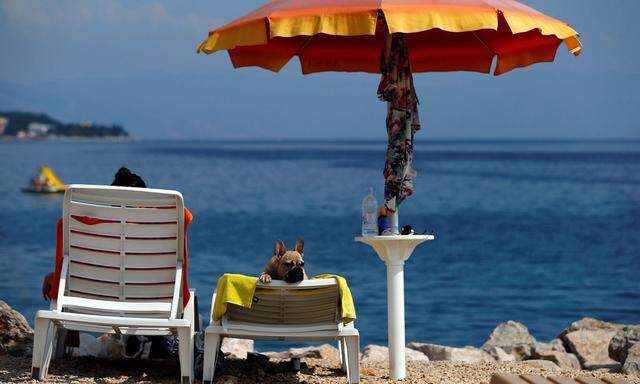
(134, 63)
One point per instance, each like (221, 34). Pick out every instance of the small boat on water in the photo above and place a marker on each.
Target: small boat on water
(45, 181)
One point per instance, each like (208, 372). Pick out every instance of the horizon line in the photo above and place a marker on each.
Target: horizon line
(372, 140)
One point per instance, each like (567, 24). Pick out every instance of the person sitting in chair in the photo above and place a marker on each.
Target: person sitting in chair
(134, 346)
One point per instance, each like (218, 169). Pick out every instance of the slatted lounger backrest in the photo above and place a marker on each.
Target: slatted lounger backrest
(310, 303)
(123, 251)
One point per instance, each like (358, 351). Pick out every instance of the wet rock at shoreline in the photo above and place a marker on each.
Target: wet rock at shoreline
(632, 363)
(624, 339)
(514, 338)
(16, 336)
(380, 353)
(237, 348)
(562, 359)
(589, 340)
(437, 352)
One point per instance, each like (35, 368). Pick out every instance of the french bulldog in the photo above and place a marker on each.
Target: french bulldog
(285, 265)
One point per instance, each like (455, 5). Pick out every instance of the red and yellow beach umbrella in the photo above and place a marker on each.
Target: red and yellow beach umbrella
(395, 38)
(344, 35)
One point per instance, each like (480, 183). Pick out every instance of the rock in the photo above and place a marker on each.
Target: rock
(374, 353)
(539, 349)
(544, 364)
(437, 352)
(325, 351)
(22, 349)
(380, 353)
(413, 355)
(590, 324)
(613, 367)
(622, 341)
(562, 359)
(557, 345)
(16, 336)
(591, 346)
(513, 338)
(500, 355)
(237, 348)
(632, 363)
(589, 340)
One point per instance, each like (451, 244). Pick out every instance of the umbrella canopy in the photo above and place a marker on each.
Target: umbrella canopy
(442, 35)
(394, 38)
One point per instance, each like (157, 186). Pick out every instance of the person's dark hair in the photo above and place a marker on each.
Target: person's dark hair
(125, 178)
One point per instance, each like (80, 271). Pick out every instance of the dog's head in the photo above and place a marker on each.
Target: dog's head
(290, 264)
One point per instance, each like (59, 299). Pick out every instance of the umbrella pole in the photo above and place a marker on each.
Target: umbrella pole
(395, 313)
(395, 227)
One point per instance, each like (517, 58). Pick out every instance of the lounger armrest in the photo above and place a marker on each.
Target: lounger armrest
(192, 297)
(213, 301)
(189, 309)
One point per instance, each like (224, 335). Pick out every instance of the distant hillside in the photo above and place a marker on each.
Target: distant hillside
(34, 125)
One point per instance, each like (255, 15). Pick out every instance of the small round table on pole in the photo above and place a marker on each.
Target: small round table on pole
(394, 250)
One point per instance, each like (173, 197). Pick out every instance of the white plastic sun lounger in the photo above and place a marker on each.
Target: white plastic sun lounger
(286, 315)
(122, 275)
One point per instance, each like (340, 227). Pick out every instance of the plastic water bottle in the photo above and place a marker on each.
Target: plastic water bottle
(369, 215)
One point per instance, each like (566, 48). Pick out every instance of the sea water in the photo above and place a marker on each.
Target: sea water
(539, 232)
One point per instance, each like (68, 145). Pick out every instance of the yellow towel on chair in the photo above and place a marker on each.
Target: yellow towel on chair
(240, 289)
(347, 309)
(233, 289)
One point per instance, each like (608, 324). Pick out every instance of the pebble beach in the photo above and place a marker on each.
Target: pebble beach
(586, 348)
(319, 371)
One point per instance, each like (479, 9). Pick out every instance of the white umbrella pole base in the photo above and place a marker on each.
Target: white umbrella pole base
(395, 320)
(394, 251)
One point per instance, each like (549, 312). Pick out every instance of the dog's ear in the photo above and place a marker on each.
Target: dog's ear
(299, 247)
(279, 249)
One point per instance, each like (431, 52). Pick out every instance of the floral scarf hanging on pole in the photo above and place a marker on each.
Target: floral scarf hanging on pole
(396, 88)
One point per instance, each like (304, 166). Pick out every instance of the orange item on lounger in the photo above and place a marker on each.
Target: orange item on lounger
(53, 292)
